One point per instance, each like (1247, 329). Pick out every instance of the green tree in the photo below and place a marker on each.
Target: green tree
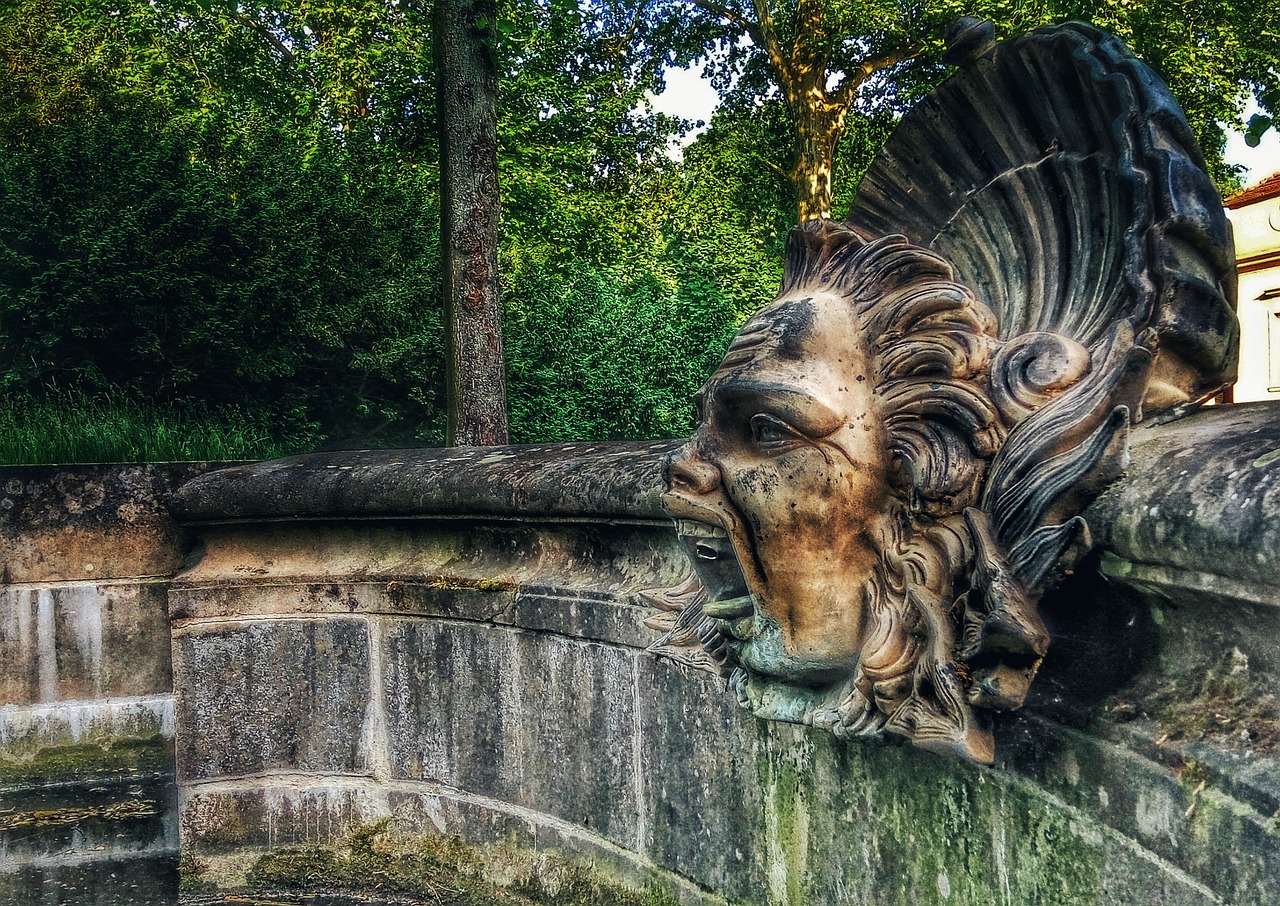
(600, 354)
(233, 205)
(172, 234)
(826, 59)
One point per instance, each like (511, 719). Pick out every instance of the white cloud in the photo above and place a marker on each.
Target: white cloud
(687, 95)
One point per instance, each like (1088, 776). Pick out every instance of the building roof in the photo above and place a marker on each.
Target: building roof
(1268, 188)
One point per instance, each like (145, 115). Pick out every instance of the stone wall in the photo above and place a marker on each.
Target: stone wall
(456, 639)
(86, 555)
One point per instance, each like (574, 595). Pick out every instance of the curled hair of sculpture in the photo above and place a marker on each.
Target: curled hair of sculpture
(931, 344)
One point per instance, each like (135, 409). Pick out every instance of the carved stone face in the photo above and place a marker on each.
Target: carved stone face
(791, 461)
(879, 488)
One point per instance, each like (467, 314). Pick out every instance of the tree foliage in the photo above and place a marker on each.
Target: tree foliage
(212, 244)
(827, 60)
(234, 207)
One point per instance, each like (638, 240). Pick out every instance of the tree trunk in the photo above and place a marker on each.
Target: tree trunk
(817, 133)
(467, 82)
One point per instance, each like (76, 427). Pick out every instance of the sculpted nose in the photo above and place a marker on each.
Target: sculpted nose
(690, 474)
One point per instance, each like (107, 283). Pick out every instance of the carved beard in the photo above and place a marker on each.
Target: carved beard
(907, 681)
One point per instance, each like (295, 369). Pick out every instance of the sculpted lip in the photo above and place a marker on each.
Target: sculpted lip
(722, 560)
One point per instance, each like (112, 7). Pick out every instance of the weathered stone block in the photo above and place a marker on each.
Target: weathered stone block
(277, 695)
(1195, 519)
(140, 880)
(537, 720)
(701, 792)
(83, 641)
(783, 814)
(467, 569)
(214, 820)
(490, 823)
(595, 618)
(89, 522)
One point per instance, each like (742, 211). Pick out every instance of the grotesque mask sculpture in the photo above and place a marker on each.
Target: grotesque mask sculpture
(893, 455)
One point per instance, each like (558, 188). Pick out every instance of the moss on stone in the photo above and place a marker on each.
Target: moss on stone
(445, 871)
(192, 875)
(1222, 700)
(455, 583)
(88, 760)
(917, 830)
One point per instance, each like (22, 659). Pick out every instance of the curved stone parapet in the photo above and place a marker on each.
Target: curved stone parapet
(554, 480)
(477, 667)
(1197, 517)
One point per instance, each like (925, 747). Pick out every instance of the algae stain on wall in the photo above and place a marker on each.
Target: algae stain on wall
(55, 635)
(851, 822)
(46, 645)
(786, 768)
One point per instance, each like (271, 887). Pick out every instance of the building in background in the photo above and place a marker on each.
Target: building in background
(1255, 217)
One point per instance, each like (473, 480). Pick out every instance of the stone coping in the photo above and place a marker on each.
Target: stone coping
(1195, 515)
(576, 480)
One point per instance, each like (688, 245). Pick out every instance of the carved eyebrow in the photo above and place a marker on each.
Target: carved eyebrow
(802, 411)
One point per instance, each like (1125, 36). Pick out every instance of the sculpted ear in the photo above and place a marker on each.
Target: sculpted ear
(1060, 456)
(941, 435)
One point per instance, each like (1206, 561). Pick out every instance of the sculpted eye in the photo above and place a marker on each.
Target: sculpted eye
(766, 429)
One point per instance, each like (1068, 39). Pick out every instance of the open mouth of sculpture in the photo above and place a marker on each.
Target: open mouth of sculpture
(713, 554)
(728, 593)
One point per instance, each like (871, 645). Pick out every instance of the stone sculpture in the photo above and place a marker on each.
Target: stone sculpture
(894, 455)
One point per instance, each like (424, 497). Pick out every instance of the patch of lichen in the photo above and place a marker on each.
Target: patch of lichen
(443, 871)
(922, 829)
(192, 873)
(88, 761)
(453, 582)
(1220, 701)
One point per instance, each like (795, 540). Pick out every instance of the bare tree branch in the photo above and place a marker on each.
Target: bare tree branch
(846, 91)
(769, 41)
(623, 41)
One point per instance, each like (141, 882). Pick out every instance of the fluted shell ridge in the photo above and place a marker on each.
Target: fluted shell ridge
(1059, 176)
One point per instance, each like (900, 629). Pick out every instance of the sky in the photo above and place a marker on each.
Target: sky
(1261, 161)
(690, 96)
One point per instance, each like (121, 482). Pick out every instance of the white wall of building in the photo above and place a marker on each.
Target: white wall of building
(1257, 233)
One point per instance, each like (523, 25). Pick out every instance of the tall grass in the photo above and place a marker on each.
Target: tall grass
(71, 429)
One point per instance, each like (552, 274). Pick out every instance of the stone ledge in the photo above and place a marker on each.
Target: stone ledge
(61, 523)
(567, 480)
(1196, 514)
(336, 802)
(73, 722)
